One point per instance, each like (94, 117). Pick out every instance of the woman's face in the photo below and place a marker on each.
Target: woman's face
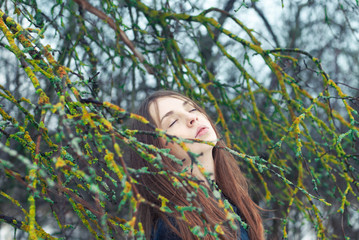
(181, 119)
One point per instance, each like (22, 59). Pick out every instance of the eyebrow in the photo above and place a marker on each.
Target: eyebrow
(171, 112)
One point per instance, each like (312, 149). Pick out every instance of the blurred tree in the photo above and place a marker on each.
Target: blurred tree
(280, 80)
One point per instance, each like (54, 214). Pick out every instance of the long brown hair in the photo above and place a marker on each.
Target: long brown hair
(228, 178)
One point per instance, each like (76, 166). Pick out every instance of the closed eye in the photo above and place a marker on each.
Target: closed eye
(172, 123)
(192, 110)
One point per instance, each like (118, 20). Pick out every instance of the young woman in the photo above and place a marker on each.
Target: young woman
(181, 117)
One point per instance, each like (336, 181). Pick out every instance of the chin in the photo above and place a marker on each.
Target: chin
(199, 148)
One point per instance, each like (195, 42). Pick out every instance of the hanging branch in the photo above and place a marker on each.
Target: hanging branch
(88, 7)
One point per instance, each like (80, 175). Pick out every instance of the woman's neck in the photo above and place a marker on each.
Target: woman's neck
(207, 163)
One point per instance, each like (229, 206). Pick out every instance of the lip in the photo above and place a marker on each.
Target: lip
(201, 131)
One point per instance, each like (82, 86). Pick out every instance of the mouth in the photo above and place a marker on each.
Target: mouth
(201, 131)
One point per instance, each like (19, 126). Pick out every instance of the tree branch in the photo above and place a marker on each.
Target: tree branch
(88, 7)
(266, 23)
(12, 221)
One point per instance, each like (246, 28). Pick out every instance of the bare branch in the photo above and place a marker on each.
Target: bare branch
(88, 7)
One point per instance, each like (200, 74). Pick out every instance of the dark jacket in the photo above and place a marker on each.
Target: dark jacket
(163, 232)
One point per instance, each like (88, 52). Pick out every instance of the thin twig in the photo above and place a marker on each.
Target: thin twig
(88, 7)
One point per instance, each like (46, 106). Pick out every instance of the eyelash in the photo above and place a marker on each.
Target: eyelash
(192, 110)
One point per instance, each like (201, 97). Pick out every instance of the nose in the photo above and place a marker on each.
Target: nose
(191, 119)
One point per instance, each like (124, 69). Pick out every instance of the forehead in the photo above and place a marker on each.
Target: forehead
(163, 105)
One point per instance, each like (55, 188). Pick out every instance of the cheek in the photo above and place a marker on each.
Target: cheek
(179, 130)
